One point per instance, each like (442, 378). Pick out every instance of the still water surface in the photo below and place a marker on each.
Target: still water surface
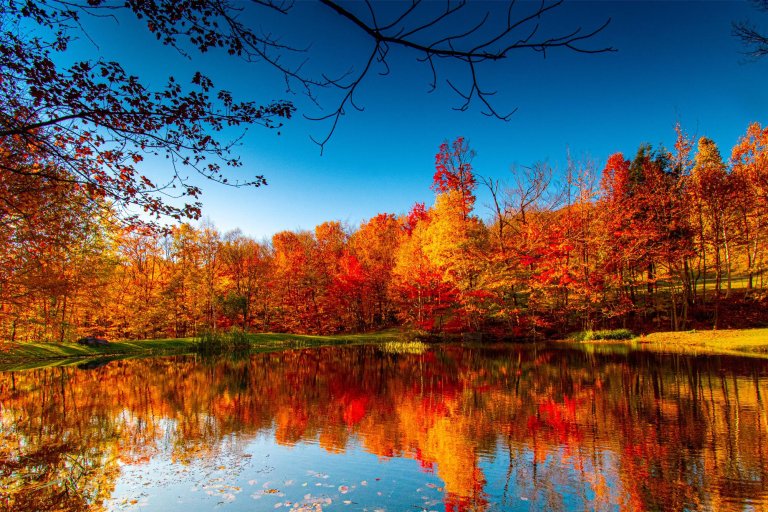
(361, 428)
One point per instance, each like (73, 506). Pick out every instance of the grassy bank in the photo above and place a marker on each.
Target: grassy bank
(18, 356)
(751, 342)
(741, 342)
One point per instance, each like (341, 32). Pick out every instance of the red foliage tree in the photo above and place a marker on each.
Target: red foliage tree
(453, 171)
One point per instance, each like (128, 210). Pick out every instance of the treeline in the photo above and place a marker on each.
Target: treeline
(659, 241)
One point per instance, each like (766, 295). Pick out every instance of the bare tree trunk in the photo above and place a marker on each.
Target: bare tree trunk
(718, 284)
(727, 262)
(63, 318)
(702, 258)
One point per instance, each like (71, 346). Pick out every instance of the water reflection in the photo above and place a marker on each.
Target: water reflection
(465, 428)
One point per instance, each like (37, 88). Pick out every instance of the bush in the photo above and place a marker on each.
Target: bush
(404, 347)
(608, 334)
(234, 341)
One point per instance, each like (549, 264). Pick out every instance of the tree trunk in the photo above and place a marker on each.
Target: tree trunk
(727, 263)
(63, 317)
(702, 258)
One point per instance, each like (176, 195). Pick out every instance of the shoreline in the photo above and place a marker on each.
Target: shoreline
(23, 356)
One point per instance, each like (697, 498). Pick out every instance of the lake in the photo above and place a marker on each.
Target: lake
(393, 428)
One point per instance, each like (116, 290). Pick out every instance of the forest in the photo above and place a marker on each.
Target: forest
(660, 240)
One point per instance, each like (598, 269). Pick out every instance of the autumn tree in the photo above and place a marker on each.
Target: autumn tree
(581, 277)
(423, 298)
(711, 191)
(750, 169)
(438, 269)
(298, 276)
(51, 233)
(644, 208)
(521, 211)
(210, 273)
(375, 245)
(330, 259)
(138, 309)
(247, 269)
(184, 288)
(453, 172)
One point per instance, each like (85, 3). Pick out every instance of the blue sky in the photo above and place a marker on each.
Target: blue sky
(676, 61)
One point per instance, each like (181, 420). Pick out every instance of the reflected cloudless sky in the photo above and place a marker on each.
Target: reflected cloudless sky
(675, 61)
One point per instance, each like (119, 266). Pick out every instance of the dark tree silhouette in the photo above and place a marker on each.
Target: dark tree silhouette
(91, 123)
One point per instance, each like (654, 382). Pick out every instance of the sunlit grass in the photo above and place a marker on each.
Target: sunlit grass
(736, 342)
(730, 341)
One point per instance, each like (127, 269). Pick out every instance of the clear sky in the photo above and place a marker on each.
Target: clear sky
(675, 61)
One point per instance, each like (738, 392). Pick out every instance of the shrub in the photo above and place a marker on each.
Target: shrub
(233, 341)
(404, 347)
(607, 334)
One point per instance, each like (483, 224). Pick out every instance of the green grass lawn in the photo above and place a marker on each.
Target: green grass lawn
(17, 356)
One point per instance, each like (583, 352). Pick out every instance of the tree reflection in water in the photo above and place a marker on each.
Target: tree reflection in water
(637, 431)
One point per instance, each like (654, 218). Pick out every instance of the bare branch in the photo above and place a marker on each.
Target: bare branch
(754, 41)
(495, 44)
